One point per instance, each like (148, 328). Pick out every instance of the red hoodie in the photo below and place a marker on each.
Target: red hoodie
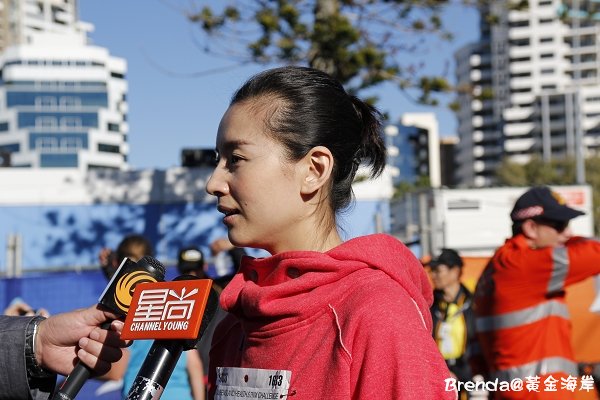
(351, 323)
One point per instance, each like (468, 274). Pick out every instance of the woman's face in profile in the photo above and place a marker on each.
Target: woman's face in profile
(258, 190)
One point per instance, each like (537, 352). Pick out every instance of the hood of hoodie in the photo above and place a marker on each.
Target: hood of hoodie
(291, 287)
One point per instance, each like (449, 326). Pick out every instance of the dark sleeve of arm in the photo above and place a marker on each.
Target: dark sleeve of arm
(474, 354)
(14, 382)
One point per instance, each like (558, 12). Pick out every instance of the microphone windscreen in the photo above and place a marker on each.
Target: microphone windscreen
(149, 260)
(118, 293)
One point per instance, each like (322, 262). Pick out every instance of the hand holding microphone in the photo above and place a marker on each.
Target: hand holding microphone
(116, 298)
(66, 338)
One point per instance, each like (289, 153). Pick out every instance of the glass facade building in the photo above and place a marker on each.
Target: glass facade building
(413, 149)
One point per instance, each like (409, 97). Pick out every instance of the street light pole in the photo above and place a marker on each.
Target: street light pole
(579, 150)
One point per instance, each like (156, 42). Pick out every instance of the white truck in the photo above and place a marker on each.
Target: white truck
(473, 221)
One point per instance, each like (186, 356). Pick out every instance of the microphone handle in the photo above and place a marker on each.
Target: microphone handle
(77, 378)
(80, 374)
(156, 370)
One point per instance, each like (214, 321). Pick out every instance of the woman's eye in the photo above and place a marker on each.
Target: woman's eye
(233, 159)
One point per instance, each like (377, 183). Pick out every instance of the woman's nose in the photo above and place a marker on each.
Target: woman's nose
(216, 185)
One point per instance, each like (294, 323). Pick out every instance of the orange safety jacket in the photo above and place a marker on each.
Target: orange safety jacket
(522, 320)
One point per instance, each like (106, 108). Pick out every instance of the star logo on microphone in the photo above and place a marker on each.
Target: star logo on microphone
(164, 305)
(167, 310)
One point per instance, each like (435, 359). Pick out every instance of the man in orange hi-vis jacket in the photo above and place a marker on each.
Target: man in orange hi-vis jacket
(522, 319)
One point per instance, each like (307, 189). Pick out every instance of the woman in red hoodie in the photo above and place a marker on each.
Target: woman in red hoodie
(320, 318)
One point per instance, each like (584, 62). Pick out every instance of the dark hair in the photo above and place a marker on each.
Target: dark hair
(517, 227)
(309, 108)
(131, 243)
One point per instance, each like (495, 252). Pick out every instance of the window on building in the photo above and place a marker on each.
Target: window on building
(519, 42)
(10, 148)
(42, 102)
(70, 143)
(518, 24)
(108, 148)
(96, 166)
(588, 73)
(58, 160)
(587, 40)
(69, 102)
(45, 121)
(546, 20)
(70, 122)
(58, 142)
(546, 71)
(47, 143)
(117, 75)
(113, 127)
(548, 39)
(4, 126)
(58, 15)
(588, 57)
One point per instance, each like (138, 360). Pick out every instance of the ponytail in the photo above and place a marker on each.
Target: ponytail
(372, 149)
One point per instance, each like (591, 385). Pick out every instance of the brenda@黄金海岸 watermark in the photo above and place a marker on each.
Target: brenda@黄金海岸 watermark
(529, 384)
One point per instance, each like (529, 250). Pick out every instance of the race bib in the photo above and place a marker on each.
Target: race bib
(250, 383)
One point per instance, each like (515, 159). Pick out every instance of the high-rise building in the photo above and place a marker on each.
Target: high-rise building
(413, 149)
(63, 101)
(530, 86)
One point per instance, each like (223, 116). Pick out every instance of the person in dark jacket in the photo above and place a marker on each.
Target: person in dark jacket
(452, 314)
(34, 349)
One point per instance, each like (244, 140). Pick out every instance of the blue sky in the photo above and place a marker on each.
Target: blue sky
(170, 108)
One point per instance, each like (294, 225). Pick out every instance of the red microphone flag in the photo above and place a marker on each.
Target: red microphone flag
(167, 310)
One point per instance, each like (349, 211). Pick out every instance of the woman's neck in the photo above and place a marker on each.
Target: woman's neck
(308, 240)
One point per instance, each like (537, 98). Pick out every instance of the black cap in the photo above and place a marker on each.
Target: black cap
(541, 202)
(448, 257)
(190, 258)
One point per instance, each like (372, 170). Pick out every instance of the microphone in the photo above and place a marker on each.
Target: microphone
(116, 298)
(162, 358)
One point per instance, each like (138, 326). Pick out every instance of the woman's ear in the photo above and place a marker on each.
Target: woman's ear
(317, 169)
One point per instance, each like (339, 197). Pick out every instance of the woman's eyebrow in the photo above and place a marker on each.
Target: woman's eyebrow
(232, 144)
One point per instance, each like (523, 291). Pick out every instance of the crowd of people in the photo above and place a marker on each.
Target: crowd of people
(323, 318)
